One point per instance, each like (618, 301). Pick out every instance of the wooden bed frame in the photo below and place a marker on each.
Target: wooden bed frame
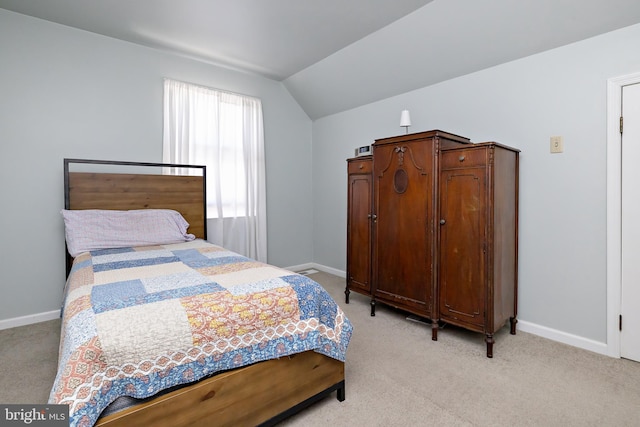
(260, 394)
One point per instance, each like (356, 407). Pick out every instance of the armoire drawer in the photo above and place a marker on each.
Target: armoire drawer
(364, 165)
(452, 159)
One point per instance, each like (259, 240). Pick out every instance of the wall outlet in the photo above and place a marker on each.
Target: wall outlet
(557, 145)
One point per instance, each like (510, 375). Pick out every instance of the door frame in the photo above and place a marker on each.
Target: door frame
(614, 208)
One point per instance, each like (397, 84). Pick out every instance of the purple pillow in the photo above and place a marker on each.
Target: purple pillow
(91, 229)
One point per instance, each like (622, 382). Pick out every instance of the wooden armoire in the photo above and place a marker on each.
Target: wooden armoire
(478, 277)
(439, 222)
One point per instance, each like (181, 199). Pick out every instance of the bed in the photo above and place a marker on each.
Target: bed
(184, 332)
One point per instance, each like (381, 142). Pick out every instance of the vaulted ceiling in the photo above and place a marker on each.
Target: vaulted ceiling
(334, 55)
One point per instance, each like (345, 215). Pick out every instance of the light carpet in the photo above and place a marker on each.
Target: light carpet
(397, 376)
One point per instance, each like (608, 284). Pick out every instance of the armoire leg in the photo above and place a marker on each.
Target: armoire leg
(346, 294)
(434, 331)
(373, 307)
(489, 339)
(514, 321)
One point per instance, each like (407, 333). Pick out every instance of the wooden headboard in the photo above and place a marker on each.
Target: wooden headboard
(125, 191)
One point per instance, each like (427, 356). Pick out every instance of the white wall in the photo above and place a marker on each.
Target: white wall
(562, 276)
(70, 93)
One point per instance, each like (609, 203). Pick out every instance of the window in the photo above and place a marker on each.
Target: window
(223, 131)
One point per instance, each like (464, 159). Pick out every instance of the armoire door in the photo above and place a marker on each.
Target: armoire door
(403, 227)
(463, 222)
(359, 225)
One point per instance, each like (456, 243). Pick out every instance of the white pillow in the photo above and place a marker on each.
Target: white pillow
(91, 229)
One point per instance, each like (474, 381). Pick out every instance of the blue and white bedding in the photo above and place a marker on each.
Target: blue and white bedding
(142, 319)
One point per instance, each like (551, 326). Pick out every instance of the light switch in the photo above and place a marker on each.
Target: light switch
(557, 145)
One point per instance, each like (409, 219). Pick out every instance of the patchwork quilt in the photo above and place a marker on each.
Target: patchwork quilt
(139, 320)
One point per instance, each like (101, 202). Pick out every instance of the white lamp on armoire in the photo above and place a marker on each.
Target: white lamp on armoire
(405, 120)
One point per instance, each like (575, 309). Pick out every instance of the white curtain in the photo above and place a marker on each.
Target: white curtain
(223, 131)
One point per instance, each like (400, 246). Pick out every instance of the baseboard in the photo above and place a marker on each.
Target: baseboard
(300, 267)
(55, 314)
(320, 267)
(563, 337)
(29, 320)
(329, 270)
(523, 325)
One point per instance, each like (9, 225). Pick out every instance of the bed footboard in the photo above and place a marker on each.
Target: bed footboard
(261, 394)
